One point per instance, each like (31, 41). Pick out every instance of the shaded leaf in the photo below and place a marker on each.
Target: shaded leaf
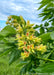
(47, 68)
(7, 31)
(52, 35)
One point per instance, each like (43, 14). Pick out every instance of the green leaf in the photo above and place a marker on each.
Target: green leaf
(45, 37)
(4, 46)
(7, 31)
(52, 35)
(9, 39)
(42, 30)
(52, 55)
(41, 25)
(43, 3)
(47, 10)
(46, 24)
(26, 68)
(15, 54)
(50, 29)
(47, 68)
(46, 17)
(52, 23)
(36, 33)
(21, 63)
(1, 37)
(36, 26)
(6, 51)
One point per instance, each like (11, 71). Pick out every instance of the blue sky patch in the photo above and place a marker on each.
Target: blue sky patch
(26, 8)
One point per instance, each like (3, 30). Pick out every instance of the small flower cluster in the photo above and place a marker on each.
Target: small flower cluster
(11, 21)
(14, 22)
(27, 42)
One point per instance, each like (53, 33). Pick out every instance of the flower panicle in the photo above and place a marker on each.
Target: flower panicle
(28, 42)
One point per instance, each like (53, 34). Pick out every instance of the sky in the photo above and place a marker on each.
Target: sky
(26, 8)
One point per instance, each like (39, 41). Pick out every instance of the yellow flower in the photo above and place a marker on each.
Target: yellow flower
(23, 36)
(33, 51)
(20, 47)
(20, 43)
(31, 37)
(32, 46)
(30, 30)
(36, 39)
(27, 42)
(17, 36)
(22, 19)
(24, 48)
(9, 18)
(15, 24)
(25, 55)
(22, 54)
(14, 21)
(28, 22)
(7, 22)
(28, 25)
(19, 29)
(31, 24)
(41, 48)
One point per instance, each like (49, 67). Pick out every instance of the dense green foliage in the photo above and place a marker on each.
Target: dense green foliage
(48, 10)
(36, 62)
(8, 46)
(6, 69)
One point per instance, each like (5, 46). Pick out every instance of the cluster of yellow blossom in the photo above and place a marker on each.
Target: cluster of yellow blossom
(27, 42)
(41, 48)
(25, 54)
(11, 21)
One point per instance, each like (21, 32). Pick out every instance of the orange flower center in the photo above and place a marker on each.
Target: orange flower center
(28, 46)
(27, 33)
(24, 43)
(24, 48)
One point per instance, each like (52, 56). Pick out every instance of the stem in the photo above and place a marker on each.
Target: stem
(45, 59)
(50, 53)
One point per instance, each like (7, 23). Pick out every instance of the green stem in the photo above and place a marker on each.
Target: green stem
(45, 59)
(50, 53)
